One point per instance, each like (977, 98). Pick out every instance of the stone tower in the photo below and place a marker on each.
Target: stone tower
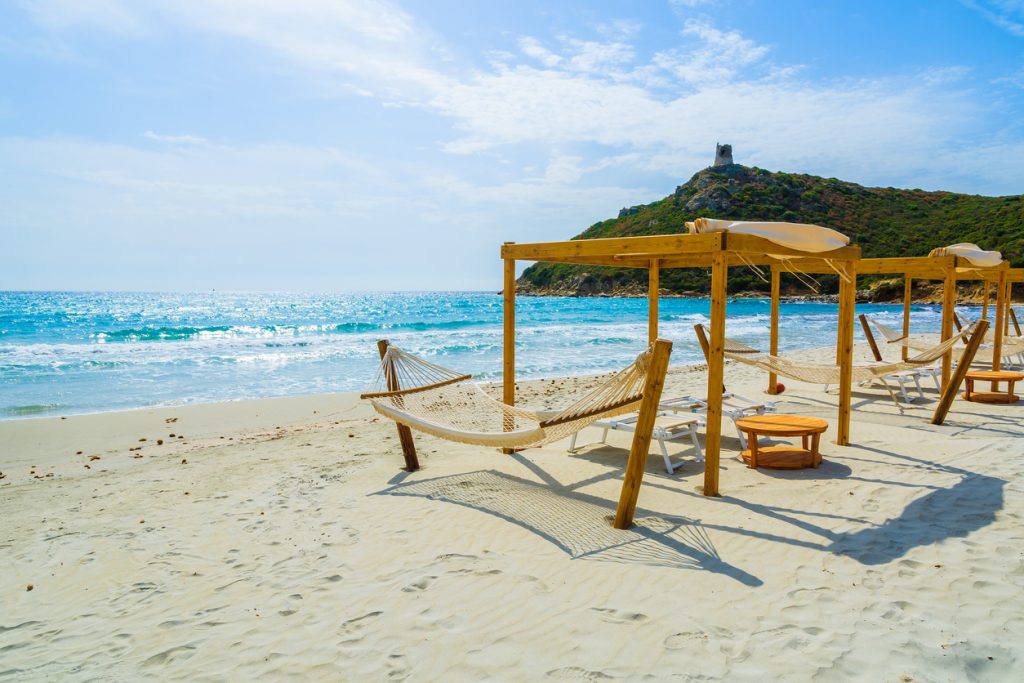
(723, 155)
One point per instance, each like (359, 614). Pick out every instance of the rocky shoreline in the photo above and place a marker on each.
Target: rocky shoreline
(881, 292)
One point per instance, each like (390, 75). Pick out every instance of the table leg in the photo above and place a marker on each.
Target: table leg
(803, 439)
(969, 389)
(752, 442)
(815, 453)
(1009, 391)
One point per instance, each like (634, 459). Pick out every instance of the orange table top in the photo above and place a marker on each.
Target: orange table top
(989, 375)
(782, 425)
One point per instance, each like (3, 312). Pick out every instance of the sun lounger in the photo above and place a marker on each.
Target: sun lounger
(734, 406)
(668, 426)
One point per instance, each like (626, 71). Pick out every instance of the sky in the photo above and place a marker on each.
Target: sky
(361, 145)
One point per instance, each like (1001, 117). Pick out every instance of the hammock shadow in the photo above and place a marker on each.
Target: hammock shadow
(577, 523)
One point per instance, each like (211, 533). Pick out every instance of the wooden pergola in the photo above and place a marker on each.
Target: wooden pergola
(950, 270)
(718, 251)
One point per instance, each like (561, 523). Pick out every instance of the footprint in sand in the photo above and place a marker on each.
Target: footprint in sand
(421, 584)
(575, 673)
(617, 616)
(679, 641)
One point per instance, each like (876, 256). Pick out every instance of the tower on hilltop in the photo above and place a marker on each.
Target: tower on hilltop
(723, 155)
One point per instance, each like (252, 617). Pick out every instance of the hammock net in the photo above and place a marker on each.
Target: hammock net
(818, 373)
(450, 405)
(1011, 345)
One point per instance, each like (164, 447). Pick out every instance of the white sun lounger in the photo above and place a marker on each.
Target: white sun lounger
(668, 426)
(734, 406)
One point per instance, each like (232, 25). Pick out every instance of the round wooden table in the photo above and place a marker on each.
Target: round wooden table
(782, 456)
(994, 376)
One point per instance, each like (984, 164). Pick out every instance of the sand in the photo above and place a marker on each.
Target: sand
(279, 538)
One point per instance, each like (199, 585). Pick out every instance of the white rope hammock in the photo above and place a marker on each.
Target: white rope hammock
(448, 404)
(818, 373)
(1012, 346)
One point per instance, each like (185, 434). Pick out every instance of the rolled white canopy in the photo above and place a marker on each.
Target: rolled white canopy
(813, 239)
(971, 252)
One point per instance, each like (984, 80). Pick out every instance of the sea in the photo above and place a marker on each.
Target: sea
(65, 353)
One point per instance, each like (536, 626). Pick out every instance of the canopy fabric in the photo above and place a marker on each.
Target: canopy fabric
(813, 239)
(972, 252)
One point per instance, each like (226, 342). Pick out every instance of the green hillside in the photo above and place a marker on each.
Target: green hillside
(882, 221)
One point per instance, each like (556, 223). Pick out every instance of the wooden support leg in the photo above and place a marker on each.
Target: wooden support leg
(773, 332)
(948, 317)
(412, 462)
(908, 292)
(508, 373)
(656, 369)
(847, 305)
(716, 372)
(997, 346)
(953, 386)
(869, 335)
(652, 301)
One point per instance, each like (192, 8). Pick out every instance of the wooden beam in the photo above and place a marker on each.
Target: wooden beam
(654, 244)
(773, 330)
(716, 373)
(984, 300)
(847, 299)
(922, 267)
(870, 337)
(950, 389)
(1013, 317)
(908, 294)
(638, 450)
(652, 301)
(508, 372)
(948, 311)
(412, 462)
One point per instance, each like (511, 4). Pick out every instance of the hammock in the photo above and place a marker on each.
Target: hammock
(449, 405)
(817, 373)
(1012, 346)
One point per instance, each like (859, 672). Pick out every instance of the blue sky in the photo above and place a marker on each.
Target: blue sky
(358, 145)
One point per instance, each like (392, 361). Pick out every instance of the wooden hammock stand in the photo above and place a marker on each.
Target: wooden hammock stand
(718, 251)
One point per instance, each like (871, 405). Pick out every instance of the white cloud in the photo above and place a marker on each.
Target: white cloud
(1006, 14)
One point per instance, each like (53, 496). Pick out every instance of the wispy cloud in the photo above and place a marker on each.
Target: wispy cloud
(1006, 14)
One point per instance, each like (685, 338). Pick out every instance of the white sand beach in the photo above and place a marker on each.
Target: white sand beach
(280, 538)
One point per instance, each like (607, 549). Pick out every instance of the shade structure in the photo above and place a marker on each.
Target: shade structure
(718, 250)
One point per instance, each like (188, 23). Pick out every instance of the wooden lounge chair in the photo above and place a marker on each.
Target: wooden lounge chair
(668, 426)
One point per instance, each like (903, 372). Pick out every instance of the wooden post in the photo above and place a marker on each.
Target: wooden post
(948, 311)
(908, 294)
(652, 300)
(412, 462)
(997, 344)
(773, 333)
(508, 376)
(1013, 317)
(984, 300)
(716, 371)
(1009, 307)
(638, 450)
(870, 337)
(953, 386)
(848, 303)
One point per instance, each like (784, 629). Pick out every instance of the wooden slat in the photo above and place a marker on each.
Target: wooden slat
(572, 417)
(416, 390)
(654, 244)
(716, 374)
(641, 444)
(950, 389)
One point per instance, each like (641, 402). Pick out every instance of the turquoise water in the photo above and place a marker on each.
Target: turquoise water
(76, 352)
